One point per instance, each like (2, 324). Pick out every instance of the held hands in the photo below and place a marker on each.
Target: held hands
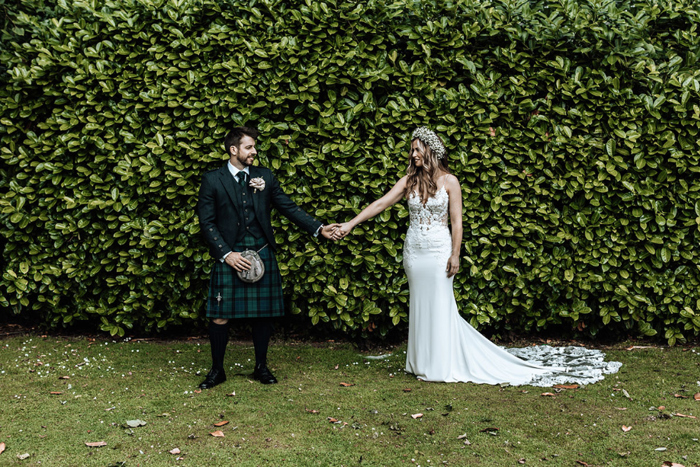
(330, 232)
(336, 231)
(452, 265)
(344, 229)
(237, 262)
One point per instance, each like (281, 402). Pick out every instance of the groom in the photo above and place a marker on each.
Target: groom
(234, 209)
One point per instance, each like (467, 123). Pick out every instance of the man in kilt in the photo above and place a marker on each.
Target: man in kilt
(234, 207)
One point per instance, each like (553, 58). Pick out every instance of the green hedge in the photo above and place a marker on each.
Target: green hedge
(573, 127)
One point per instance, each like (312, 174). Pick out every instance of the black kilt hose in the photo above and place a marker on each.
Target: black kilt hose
(230, 297)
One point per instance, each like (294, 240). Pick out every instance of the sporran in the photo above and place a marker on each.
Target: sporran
(257, 268)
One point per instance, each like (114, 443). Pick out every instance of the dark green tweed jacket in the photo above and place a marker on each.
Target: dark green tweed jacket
(221, 214)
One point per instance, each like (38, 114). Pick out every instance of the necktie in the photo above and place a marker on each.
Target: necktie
(241, 178)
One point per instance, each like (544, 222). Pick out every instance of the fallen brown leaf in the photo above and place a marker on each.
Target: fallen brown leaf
(174, 451)
(626, 428)
(332, 420)
(521, 461)
(347, 385)
(620, 408)
(581, 463)
(2, 447)
(671, 464)
(548, 394)
(197, 391)
(217, 434)
(697, 396)
(64, 377)
(312, 411)
(406, 389)
(232, 394)
(55, 393)
(678, 396)
(416, 415)
(221, 423)
(566, 386)
(661, 407)
(97, 444)
(684, 416)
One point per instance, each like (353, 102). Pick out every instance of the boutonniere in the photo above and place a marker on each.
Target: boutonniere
(258, 183)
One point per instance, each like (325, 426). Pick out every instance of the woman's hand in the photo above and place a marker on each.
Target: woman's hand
(330, 232)
(452, 265)
(344, 229)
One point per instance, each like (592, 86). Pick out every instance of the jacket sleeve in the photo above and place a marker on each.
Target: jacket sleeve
(206, 211)
(290, 210)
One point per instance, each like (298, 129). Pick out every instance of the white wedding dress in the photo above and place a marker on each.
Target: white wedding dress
(442, 346)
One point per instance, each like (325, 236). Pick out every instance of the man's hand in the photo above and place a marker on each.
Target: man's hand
(237, 262)
(452, 265)
(330, 232)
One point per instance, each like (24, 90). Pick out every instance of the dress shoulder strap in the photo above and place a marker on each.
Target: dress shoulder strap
(442, 181)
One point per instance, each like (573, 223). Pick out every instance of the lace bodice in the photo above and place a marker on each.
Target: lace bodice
(432, 213)
(428, 227)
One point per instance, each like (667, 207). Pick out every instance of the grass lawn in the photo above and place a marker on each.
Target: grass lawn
(311, 418)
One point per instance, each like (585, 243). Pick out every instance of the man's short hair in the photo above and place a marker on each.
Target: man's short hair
(233, 138)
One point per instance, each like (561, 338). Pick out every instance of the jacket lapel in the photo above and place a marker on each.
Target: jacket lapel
(232, 189)
(255, 194)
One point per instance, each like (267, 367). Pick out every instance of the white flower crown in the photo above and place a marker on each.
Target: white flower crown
(428, 136)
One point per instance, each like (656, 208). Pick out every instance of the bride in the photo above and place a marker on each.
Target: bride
(442, 346)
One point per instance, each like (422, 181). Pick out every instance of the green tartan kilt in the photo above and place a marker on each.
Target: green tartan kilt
(230, 297)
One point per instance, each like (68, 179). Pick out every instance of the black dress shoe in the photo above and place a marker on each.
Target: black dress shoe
(263, 374)
(213, 378)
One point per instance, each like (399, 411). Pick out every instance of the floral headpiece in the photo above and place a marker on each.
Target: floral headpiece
(428, 136)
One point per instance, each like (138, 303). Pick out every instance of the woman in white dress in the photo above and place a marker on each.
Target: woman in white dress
(442, 346)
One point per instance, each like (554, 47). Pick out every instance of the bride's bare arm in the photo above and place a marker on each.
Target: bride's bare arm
(455, 193)
(392, 197)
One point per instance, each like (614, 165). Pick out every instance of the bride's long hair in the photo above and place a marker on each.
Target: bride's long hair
(422, 179)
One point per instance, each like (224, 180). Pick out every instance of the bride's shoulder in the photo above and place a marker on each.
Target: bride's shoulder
(451, 182)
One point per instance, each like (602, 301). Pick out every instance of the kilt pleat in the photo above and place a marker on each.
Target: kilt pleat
(231, 298)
